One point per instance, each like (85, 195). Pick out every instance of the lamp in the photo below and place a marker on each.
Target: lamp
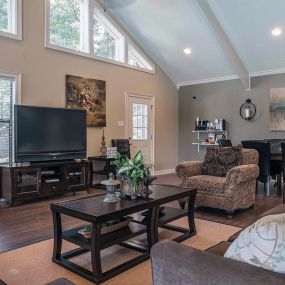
(247, 110)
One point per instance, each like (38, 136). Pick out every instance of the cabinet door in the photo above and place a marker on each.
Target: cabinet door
(26, 181)
(76, 175)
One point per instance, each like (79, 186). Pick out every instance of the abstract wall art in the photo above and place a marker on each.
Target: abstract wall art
(277, 109)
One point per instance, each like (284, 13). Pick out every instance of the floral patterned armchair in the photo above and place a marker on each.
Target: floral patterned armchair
(234, 191)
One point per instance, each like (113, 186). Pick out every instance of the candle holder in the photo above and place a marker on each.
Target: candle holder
(247, 110)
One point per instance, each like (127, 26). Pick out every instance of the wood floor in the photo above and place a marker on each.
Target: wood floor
(32, 222)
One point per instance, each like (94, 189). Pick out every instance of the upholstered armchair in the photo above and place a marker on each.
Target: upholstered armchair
(234, 191)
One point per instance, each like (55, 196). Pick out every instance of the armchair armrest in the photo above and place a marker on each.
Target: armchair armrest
(188, 168)
(242, 173)
(174, 263)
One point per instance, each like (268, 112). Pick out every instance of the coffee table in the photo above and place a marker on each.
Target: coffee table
(93, 210)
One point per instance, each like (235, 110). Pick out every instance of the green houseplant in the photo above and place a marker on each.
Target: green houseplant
(134, 170)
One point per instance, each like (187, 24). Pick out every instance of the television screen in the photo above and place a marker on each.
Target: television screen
(49, 133)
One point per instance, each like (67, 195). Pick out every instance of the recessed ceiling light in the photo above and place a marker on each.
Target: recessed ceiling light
(187, 51)
(276, 32)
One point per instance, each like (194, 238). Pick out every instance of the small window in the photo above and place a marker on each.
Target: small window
(108, 41)
(65, 24)
(7, 95)
(136, 59)
(10, 18)
(140, 121)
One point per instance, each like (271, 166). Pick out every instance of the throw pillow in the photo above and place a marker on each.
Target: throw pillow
(219, 160)
(262, 244)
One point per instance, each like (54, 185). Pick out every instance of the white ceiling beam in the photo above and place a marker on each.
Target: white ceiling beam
(225, 43)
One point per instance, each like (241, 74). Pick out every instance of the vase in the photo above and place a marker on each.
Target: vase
(131, 191)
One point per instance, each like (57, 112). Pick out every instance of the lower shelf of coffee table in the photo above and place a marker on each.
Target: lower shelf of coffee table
(170, 214)
(107, 240)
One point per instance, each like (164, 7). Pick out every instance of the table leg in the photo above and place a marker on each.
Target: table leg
(283, 192)
(152, 226)
(57, 242)
(90, 173)
(191, 220)
(95, 252)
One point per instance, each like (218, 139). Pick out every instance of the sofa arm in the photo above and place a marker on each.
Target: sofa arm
(177, 264)
(188, 168)
(242, 173)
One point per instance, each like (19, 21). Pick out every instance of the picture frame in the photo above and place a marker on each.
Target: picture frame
(219, 137)
(87, 94)
(211, 138)
(111, 151)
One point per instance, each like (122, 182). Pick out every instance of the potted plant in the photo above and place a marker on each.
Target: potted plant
(134, 171)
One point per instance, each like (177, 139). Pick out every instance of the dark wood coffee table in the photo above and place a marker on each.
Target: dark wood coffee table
(93, 210)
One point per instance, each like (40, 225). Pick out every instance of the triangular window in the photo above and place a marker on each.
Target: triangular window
(136, 59)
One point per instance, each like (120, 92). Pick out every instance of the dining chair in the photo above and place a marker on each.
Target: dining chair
(263, 148)
(224, 142)
(283, 167)
(123, 146)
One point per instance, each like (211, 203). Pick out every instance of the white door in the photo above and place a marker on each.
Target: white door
(139, 125)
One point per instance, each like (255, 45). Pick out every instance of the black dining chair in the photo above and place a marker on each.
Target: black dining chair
(263, 148)
(224, 142)
(276, 164)
(123, 146)
(283, 167)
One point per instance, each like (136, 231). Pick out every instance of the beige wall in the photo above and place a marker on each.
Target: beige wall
(43, 74)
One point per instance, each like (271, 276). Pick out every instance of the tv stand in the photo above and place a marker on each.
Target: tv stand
(30, 181)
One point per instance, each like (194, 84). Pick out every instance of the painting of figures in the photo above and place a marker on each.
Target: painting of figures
(277, 109)
(87, 94)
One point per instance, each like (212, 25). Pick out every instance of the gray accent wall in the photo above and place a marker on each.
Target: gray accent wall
(223, 100)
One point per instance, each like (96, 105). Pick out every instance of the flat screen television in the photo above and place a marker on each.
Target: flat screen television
(46, 134)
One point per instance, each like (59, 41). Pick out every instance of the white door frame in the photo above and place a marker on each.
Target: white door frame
(129, 94)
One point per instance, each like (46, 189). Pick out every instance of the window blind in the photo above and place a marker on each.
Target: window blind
(7, 95)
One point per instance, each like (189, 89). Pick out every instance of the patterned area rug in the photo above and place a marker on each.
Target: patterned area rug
(32, 265)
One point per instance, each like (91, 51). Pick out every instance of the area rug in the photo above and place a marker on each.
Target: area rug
(32, 265)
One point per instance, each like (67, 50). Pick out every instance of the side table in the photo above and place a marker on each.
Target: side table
(100, 165)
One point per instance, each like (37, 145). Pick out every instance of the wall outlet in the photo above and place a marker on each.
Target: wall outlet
(121, 123)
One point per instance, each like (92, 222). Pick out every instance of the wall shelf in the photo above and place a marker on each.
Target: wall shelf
(206, 132)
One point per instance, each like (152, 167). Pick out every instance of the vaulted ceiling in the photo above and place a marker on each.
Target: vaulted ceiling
(165, 27)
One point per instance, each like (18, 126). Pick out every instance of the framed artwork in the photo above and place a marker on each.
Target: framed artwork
(87, 94)
(211, 138)
(277, 109)
(218, 137)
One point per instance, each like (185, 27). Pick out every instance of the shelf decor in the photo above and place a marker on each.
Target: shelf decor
(203, 137)
(247, 110)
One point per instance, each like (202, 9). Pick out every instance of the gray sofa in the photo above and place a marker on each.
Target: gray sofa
(177, 264)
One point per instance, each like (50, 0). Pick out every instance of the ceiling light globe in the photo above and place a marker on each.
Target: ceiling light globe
(187, 51)
(276, 32)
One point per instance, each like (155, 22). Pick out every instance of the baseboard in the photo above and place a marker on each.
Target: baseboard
(165, 171)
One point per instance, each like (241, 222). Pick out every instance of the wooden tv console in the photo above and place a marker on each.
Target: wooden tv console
(27, 181)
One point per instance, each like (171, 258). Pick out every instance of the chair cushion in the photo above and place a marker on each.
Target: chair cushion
(218, 161)
(207, 184)
(262, 244)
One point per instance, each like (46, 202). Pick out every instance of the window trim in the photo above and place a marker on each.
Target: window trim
(91, 55)
(17, 13)
(16, 100)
